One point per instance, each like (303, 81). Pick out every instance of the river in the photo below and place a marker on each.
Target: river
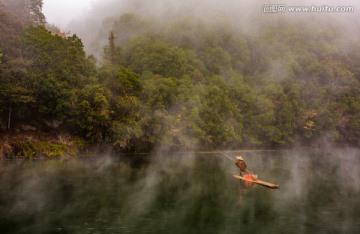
(183, 193)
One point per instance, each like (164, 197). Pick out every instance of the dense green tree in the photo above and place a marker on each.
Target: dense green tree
(26, 11)
(193, 84)
(57, 70)
(222, 118)
(156, 56)
(216, 60)
(128, 26)
(92, 112)
(124, 104)
(159, 97)
(324, 82)
(15, 88)
(112, 53)
(349, 126)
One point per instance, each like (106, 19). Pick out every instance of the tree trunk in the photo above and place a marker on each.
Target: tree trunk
(112, 47)
(9, 117)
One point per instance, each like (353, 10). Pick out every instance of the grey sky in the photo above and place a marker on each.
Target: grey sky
(91, 19)
(62, 12)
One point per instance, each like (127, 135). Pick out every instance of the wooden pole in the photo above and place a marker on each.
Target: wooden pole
(226, 156)
(232, 160)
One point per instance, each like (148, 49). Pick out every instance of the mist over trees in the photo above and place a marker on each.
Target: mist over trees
(174, 78)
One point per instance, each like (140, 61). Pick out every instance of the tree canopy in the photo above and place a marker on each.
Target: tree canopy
(173, 89)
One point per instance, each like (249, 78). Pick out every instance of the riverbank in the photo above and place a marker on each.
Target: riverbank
(33, 144)
(36, 145)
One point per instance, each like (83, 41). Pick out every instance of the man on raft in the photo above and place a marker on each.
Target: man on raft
(240, 163)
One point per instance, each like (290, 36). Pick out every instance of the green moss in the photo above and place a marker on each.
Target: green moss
(51, 150)
(25, 149)
(77, 144)
(30, 149)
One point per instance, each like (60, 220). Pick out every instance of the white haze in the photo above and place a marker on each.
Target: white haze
(182, 184)
(91, 20)
(60, 13)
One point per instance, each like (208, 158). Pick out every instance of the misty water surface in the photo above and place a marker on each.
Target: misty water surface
(182, 193)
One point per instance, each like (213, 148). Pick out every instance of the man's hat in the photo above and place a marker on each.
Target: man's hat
(240, 158)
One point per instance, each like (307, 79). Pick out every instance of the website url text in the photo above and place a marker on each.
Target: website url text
(282, 8)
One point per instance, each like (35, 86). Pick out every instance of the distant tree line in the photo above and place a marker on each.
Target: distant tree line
(192, 86)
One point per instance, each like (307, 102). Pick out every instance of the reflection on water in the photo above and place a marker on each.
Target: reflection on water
(182, 193)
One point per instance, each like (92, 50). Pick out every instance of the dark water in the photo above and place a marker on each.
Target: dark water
(183, 193)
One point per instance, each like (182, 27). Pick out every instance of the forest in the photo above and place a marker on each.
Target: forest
(185, 84)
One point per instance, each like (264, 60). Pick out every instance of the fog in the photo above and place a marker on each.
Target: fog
(93, 25)
(188, 192)
(183, 193)
(60, 13)
(245, 20)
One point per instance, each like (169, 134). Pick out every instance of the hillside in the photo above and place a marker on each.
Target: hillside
(184, 83)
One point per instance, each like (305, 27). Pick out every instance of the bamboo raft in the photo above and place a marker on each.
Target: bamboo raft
(260, 182)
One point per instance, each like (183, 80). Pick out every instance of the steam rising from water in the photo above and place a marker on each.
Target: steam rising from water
(183, 193)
